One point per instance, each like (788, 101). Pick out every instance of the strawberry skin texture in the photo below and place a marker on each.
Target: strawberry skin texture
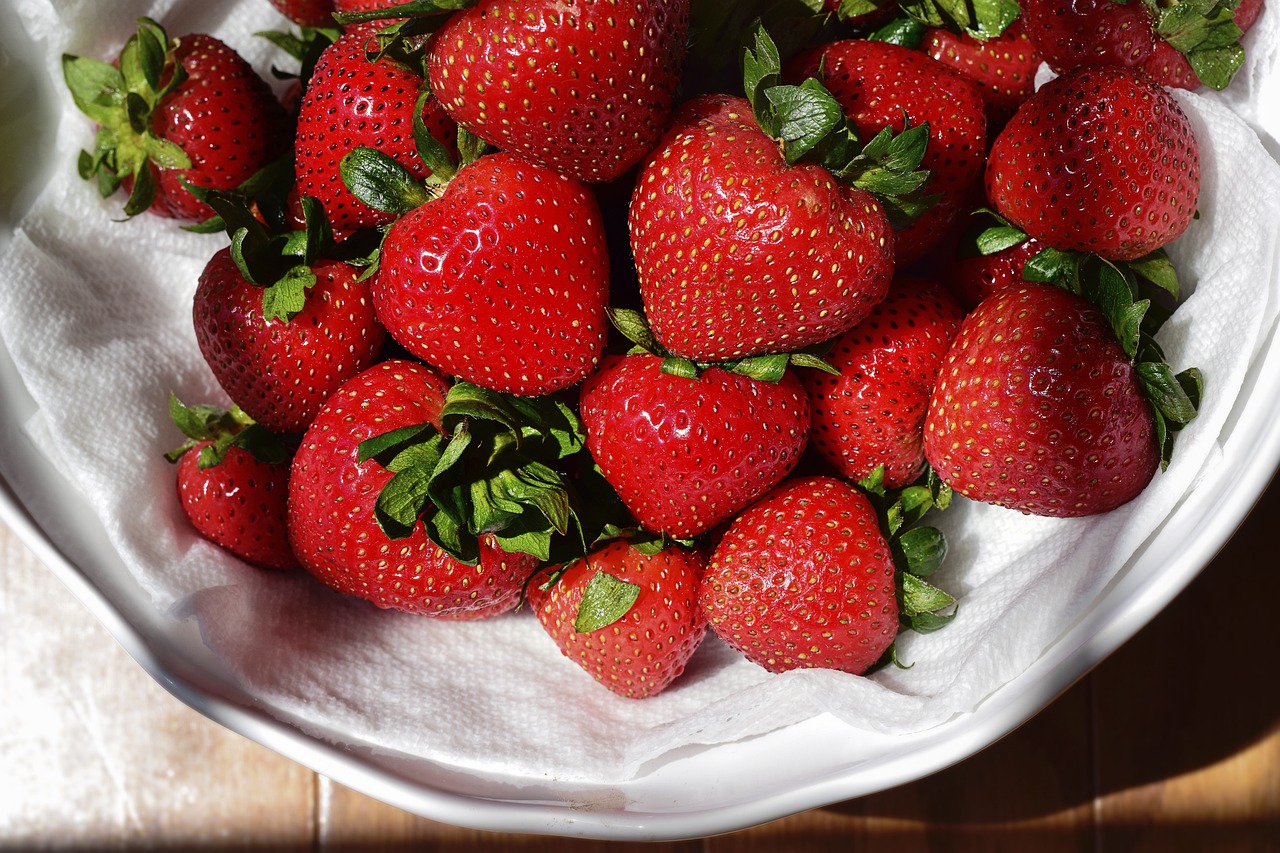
(975, 278)
(239, 504)
(1038, 409)
(1099, 160)
(331, 507)
(739, 253)
(306, 13)
(1004, 67)
(804, 579)
(351, 102)
(282, 373)
(1089, 32)
(576, 85)
(687, 454)
(503, 280)
(873, 413)
(225, 119)
(643, 652)
(877, 83)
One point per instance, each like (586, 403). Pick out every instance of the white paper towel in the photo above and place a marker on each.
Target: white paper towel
(96, 314)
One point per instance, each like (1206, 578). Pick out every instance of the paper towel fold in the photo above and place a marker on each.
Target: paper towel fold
(96, 314)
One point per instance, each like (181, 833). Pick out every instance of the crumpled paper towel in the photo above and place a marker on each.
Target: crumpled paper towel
(96, 314)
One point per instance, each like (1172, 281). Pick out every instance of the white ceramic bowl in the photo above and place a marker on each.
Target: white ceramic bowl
(692, 792)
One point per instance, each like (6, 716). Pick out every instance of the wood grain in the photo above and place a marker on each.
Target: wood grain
(1170, 745)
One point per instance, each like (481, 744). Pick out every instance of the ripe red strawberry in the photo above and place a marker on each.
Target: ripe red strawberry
(233, 484)
(350, 102)
(629, 619)
(332, 493)
(1170, 67)
(804, 578)
(686, 454)
(579, 86)
(873, 413)
(1067, 171)
(281, 371)
(306, 13)
(1004, 67)
(739, 253)
(1142, 34)
(188, 110)
(881, 85)
(502, 280)
(1038, 408)
(973, 276)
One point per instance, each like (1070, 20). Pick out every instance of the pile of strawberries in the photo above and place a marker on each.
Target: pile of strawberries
(668, 315)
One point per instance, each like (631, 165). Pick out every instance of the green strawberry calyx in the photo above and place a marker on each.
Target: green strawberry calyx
(811, 127)
(605, 600)
(1205, 31)
(216, 430)
(634, 326)
(978, 19)
(121, 99)
(513, 467)
(1136, 297)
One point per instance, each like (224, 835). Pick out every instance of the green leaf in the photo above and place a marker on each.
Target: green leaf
(605, 600)
(452, 539)
(1158, 269)
(634, 326)
(1204, 31)
(470, 147)
(998, 238)
(873, 483)
(381, 182)
(981, 19)
(761, 71)
(285, 299)
(1052, 266)
(677, 366)
(805, 115)
(813, 362)
(165, 154)
(401, 501)
(1112, 289)
(433, 152)
(1167, 393)
(920, 597)
(471, 401)
(857, 8)
(904, 32)
(402, 10)
(144, 190)
(922, 550)
(763, 368)
(97, 88)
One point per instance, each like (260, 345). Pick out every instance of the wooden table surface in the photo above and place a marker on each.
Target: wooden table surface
(1171, 744)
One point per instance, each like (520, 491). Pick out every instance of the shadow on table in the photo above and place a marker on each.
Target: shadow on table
(1192, 689)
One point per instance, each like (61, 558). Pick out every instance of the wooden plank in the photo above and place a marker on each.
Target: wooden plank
(97, 755)
(1189, 750)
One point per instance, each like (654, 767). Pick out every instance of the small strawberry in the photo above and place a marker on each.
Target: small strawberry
(1004, 67)
(333, 520)
(629, 618)
(1170, 66)
(306, 13)
(685, 454)
(805, 578)
(172, 113)
(991, 256)
(353, 101)
(281, 326)
(233, 484)
(1040, 409)
(872, 414)
(882, 85)
(1107, 33)
(1066, 169)
(578, 86)
(502, 280)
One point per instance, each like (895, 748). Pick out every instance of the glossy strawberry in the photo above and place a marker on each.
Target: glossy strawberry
(804, 578)
(350, 102)
(191, 110)
(883, 85)
(873, 412)
(580, 86)
(686, 454)
(233, 483)
(1142, 34)
(740, 253)
(1038, 408)
(332, 494)
(1004, 67)
(630, 619)
(975, 276)
(306, 13)
(281, 371)
(502, 280)
(1066, 169)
